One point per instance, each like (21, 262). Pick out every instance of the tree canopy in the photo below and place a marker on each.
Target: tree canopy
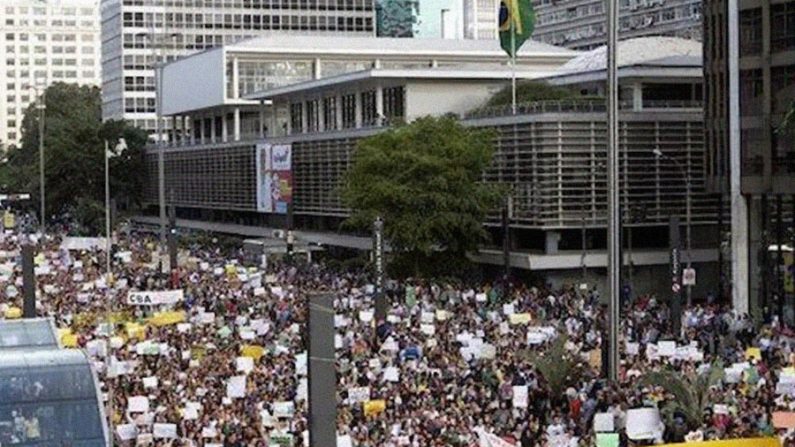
(529, 91)
(423, 179)
(74, 167)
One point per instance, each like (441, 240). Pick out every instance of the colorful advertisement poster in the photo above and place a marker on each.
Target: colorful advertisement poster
(274, 178)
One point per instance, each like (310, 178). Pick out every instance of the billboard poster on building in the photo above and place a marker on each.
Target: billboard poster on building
(274, 178)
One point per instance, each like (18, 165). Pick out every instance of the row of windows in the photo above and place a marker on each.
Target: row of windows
(321, 5)
(54, 22)
(55, 74)
(43, 62)
(55, 37)
(306, 115)
(252, 22)
(40, 11)
(139, 105)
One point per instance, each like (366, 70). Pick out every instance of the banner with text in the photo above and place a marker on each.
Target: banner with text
(155, 298)
(274, 178)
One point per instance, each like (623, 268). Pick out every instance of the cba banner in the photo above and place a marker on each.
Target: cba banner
(274, 178)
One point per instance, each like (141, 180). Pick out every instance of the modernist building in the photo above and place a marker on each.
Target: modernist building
(552, 154)
(138, 33)
(580, 24)
(41, 42)
(749, 69)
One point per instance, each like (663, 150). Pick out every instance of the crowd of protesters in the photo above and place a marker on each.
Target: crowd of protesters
(445, 365)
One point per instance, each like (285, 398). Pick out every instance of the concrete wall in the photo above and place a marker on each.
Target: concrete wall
(204, 73)
(429, 97)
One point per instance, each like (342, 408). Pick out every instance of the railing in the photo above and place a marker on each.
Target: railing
(591, 105)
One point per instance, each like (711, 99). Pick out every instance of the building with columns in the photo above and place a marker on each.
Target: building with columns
(551, 153)
(749, 72)
(138, 35)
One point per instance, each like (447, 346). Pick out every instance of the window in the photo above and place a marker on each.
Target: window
(369, 115)
(394, 102)
(312, 115)
(751, 90)
(782, 26)
(349, 111)
(751, 32)
(296, 117)
(330, 113)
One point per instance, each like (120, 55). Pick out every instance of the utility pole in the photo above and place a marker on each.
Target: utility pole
(506, 235)
(42, 198)
(613, 217)
(378, 257)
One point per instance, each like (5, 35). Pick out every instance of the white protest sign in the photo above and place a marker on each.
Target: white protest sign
(244, 364)
(391, 374)
(283, 409)
(632, 349)
(82, 243)
(150, 382)
(165, 431)
(644, 423)
(236, 387)
(666, 348)
(126, 431)
(155, 298)
(366, 316)
(301, 363)
(358, 394)
(138, 404)
(520, 396)
(344, 441)
(604, 422)
(428, 329)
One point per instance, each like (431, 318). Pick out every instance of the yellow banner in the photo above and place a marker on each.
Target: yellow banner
(747, 442)
(253, 351)
(373, 407)
(8, 220)
(13, 313)
(167, 318)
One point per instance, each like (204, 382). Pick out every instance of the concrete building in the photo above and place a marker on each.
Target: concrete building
(42, 42)
(457, 19)
(137, 33)
(749, 68)
(580, 24)
(551, 153)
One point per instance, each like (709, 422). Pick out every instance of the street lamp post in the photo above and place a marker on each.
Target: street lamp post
(685, 173)
(121, 145)
(613, 218)
(161, 169)
(41, 107)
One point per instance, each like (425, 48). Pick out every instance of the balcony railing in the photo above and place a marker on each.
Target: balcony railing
(595, 105)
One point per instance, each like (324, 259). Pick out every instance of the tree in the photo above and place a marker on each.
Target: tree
(424, 180)
(690, 392)
(73, 155)
(788, 123)
(530, 91)
(559, 368)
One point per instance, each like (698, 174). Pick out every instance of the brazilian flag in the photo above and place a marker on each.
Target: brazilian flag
(516, 22)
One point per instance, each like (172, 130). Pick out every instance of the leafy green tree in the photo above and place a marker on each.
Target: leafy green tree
(690, 392)
(424, 179)
(559, 367)
(74, 166)
(530, 91)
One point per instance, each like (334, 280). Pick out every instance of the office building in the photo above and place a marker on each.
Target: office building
(42, 42)
(580, 24)
(137, 33)
(396, 18)
(552, 153)
(749, 70)
(457, 19)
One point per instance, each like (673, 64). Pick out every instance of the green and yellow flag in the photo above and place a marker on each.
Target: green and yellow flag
(516, 22)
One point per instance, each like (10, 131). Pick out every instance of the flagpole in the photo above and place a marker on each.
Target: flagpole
(513, 67)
